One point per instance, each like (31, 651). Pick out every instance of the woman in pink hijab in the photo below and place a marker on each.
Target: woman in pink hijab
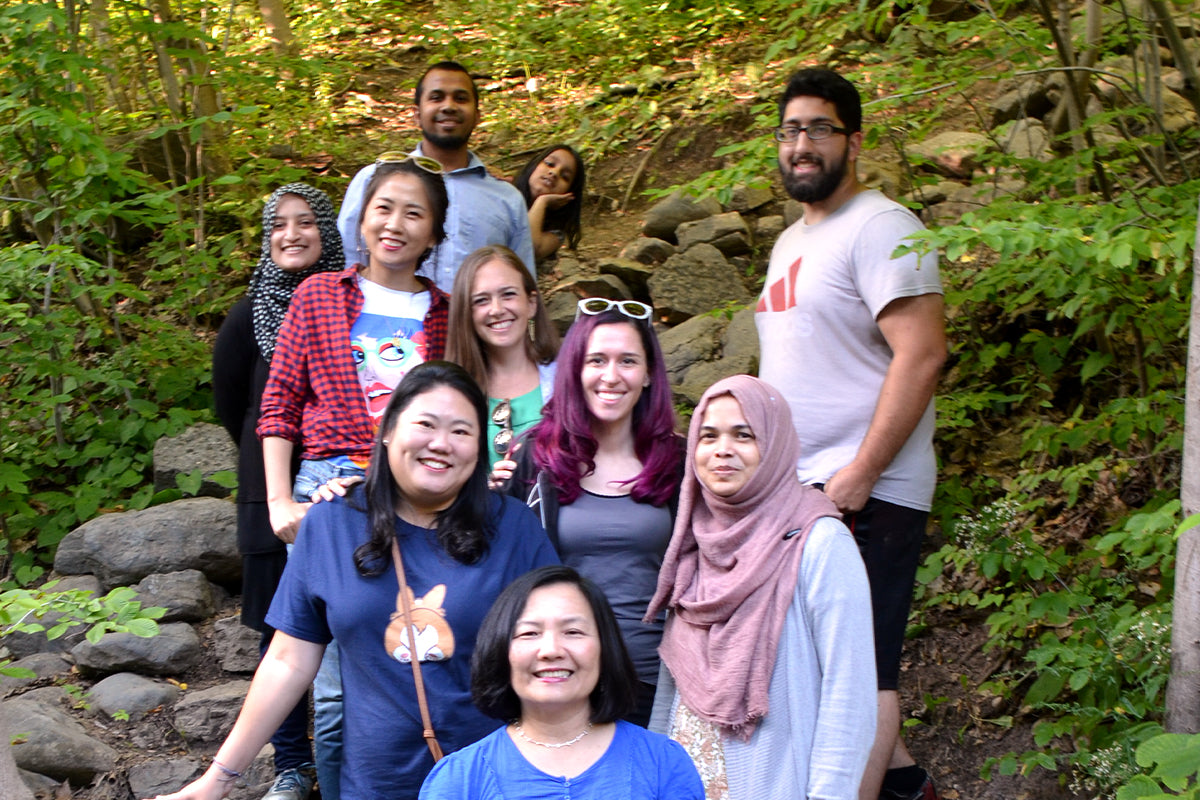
(768, 645)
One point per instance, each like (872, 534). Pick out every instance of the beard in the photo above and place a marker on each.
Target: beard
(446, 141)
(816, 187)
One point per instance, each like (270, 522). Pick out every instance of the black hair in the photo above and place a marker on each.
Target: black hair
(435, 192)
(615, 694)
(446, 66)
(829, 86)
(566, 218)
(465, 526)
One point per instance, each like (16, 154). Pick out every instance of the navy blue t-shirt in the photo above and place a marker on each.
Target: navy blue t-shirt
(322, 596)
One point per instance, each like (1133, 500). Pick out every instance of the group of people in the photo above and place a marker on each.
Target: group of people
(518, 562)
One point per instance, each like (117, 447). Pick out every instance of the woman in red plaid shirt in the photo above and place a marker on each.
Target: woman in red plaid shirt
(347, 340)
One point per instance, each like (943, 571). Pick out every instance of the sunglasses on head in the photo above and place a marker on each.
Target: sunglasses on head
(424, 162)
(598, 305)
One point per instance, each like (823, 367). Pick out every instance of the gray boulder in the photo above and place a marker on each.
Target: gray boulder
(695, 282)
(133, 694)
(748, 198)
(886, 176)
(669, 213)
(49, 742)
(738, 354)
(953, 153)
(208, 715)
(648, 250)
(767, 230)
(726, 232)
(153, 778)
(236, 645)
(690, 343)
(124, 547)
(187, 595)
(203, 447)
(42, 665)
(1025, 138)
(792, 213)
(633, 274)
(1025, 99)
(175, 649)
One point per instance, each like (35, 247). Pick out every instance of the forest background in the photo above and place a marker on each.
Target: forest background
(138, 140)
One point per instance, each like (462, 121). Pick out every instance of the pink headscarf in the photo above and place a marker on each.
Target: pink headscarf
(729, 575)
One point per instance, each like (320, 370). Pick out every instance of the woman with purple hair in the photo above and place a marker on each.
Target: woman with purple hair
(603, 468)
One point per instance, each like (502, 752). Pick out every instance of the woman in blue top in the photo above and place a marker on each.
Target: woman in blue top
(550, 662)
(426, 491)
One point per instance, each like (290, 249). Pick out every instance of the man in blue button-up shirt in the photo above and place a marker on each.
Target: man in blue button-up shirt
(483, 210)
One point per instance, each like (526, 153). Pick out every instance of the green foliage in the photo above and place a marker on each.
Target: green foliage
(1175, 759)
(45, 610)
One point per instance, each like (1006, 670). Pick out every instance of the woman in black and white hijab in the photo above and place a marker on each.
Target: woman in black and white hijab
(299, 239)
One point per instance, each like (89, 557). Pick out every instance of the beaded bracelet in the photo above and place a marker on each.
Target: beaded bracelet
(229, 774)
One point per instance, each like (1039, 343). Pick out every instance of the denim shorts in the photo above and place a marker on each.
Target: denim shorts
(315, 473)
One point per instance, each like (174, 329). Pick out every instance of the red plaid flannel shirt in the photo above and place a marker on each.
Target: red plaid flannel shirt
(313, 397)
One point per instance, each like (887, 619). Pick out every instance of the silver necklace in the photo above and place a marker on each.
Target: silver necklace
(551, 745)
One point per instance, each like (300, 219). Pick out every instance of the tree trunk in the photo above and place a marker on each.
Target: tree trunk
(1183, 691)
(274, 15)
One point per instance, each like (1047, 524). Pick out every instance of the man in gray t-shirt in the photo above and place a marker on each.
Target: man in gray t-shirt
(855, 340)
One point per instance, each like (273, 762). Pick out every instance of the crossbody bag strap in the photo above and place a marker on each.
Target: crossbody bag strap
(435, 749)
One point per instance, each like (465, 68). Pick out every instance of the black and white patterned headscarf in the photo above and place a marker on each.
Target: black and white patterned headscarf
(271, 288)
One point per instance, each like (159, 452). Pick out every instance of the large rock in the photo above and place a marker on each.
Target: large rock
(1026, 99)
(133, 694)
(953, 153)
(648, 250)
(747, 198)
(631, 273)
(669, 213)
(767, 230)
(122, 548)
(738, 355)
(42, 665)
(208, 715)
(690, 343)
(49, 742)
(1025, 138)
(695, 282)
(205, 448)
(886, 176)
(175, 649)
(726, 232)
(153, 778)
(187, 595)
(237, 645)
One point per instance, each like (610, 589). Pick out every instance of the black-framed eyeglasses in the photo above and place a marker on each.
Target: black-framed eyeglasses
(502, 416)
(424, 162)
(817, 131)
(598, 305)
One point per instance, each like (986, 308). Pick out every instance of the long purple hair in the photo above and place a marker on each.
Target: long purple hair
(563, 443)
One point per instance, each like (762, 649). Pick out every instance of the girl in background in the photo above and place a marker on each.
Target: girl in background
(552, 184)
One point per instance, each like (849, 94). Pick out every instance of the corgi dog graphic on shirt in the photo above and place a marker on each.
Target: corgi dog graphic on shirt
(434, 639)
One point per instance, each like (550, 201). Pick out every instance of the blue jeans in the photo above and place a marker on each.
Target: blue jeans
(327, 688)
